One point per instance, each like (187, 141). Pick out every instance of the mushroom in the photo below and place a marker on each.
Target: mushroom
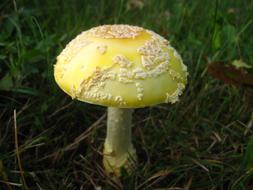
(122, 67)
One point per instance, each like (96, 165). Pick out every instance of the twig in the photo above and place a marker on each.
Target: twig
(17, 151)
(84, 135)
(11, 183)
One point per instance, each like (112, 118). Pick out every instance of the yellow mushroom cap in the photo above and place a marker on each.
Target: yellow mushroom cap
(121, 66)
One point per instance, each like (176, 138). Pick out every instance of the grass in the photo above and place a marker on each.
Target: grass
(200, 143)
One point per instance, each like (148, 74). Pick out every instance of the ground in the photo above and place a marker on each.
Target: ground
(48, 141)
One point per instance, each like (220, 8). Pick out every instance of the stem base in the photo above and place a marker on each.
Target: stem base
(113, 164)
(118, 148)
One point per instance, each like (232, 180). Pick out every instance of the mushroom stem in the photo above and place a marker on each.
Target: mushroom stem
(118, 149)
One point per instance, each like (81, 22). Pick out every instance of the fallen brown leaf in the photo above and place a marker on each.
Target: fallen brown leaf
(230, 74)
